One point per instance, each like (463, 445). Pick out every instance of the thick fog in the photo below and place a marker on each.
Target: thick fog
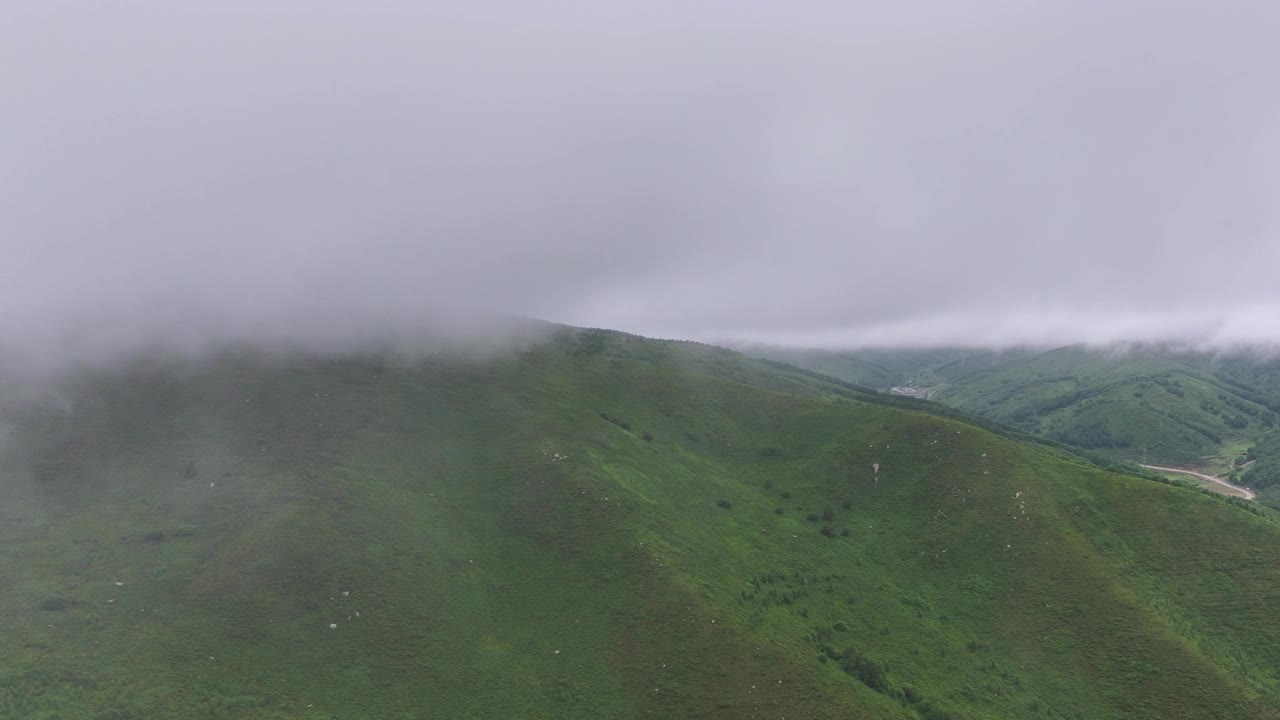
(816, 173)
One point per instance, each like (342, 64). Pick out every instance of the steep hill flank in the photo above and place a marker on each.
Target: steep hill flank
(599, 527)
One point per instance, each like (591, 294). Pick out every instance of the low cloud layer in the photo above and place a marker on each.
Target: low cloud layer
(985, 172)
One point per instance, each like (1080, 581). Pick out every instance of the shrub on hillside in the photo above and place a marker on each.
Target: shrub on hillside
(873, 673)
(1263, 473)
(55, 604)
(929, 711)
(616, 421)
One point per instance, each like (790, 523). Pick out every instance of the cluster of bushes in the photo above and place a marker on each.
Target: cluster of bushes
(1235, 422)
(616, 421)
(1048, 405)
(1173, 386)
(56, 604)
(1254, 396)
(648, 437)
(779, 588)
(1190, 424)
(774, 596)
(1264, 473)
(1093, 436)
(875, 675)
(828, 514)
(584, 342)
(1267, 417)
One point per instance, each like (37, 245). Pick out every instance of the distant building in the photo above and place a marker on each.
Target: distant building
(908, 392)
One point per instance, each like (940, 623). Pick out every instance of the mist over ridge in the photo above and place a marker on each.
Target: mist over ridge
(896, 174)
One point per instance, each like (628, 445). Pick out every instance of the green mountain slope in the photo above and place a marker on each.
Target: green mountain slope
(1142, 404)
(1255, 374)
(1260, 468)
(871, 370)
(882, 368)
(599, 527)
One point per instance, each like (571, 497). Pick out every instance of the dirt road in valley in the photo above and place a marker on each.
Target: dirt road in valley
(1220, 485)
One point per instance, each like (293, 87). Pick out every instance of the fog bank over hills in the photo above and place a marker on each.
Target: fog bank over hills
(1230, 329)
(893, 174)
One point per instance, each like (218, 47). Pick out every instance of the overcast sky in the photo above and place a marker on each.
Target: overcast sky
(803, 172)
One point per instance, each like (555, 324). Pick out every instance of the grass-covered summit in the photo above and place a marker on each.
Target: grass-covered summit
(599, 526)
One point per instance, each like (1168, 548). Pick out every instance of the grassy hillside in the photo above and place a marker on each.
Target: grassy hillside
(1142, 404)
(881, 368)
(1256, 374)
(1259, 468)
(599, 527)
(873, 372)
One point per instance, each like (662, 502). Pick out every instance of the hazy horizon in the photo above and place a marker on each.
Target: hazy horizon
(897, 174)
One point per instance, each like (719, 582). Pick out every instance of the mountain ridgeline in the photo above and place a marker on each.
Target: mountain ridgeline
(603, 526)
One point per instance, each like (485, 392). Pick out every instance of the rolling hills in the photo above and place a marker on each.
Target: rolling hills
(882, 368)
(1145, 403)
(1139, 404)
(599, 526)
